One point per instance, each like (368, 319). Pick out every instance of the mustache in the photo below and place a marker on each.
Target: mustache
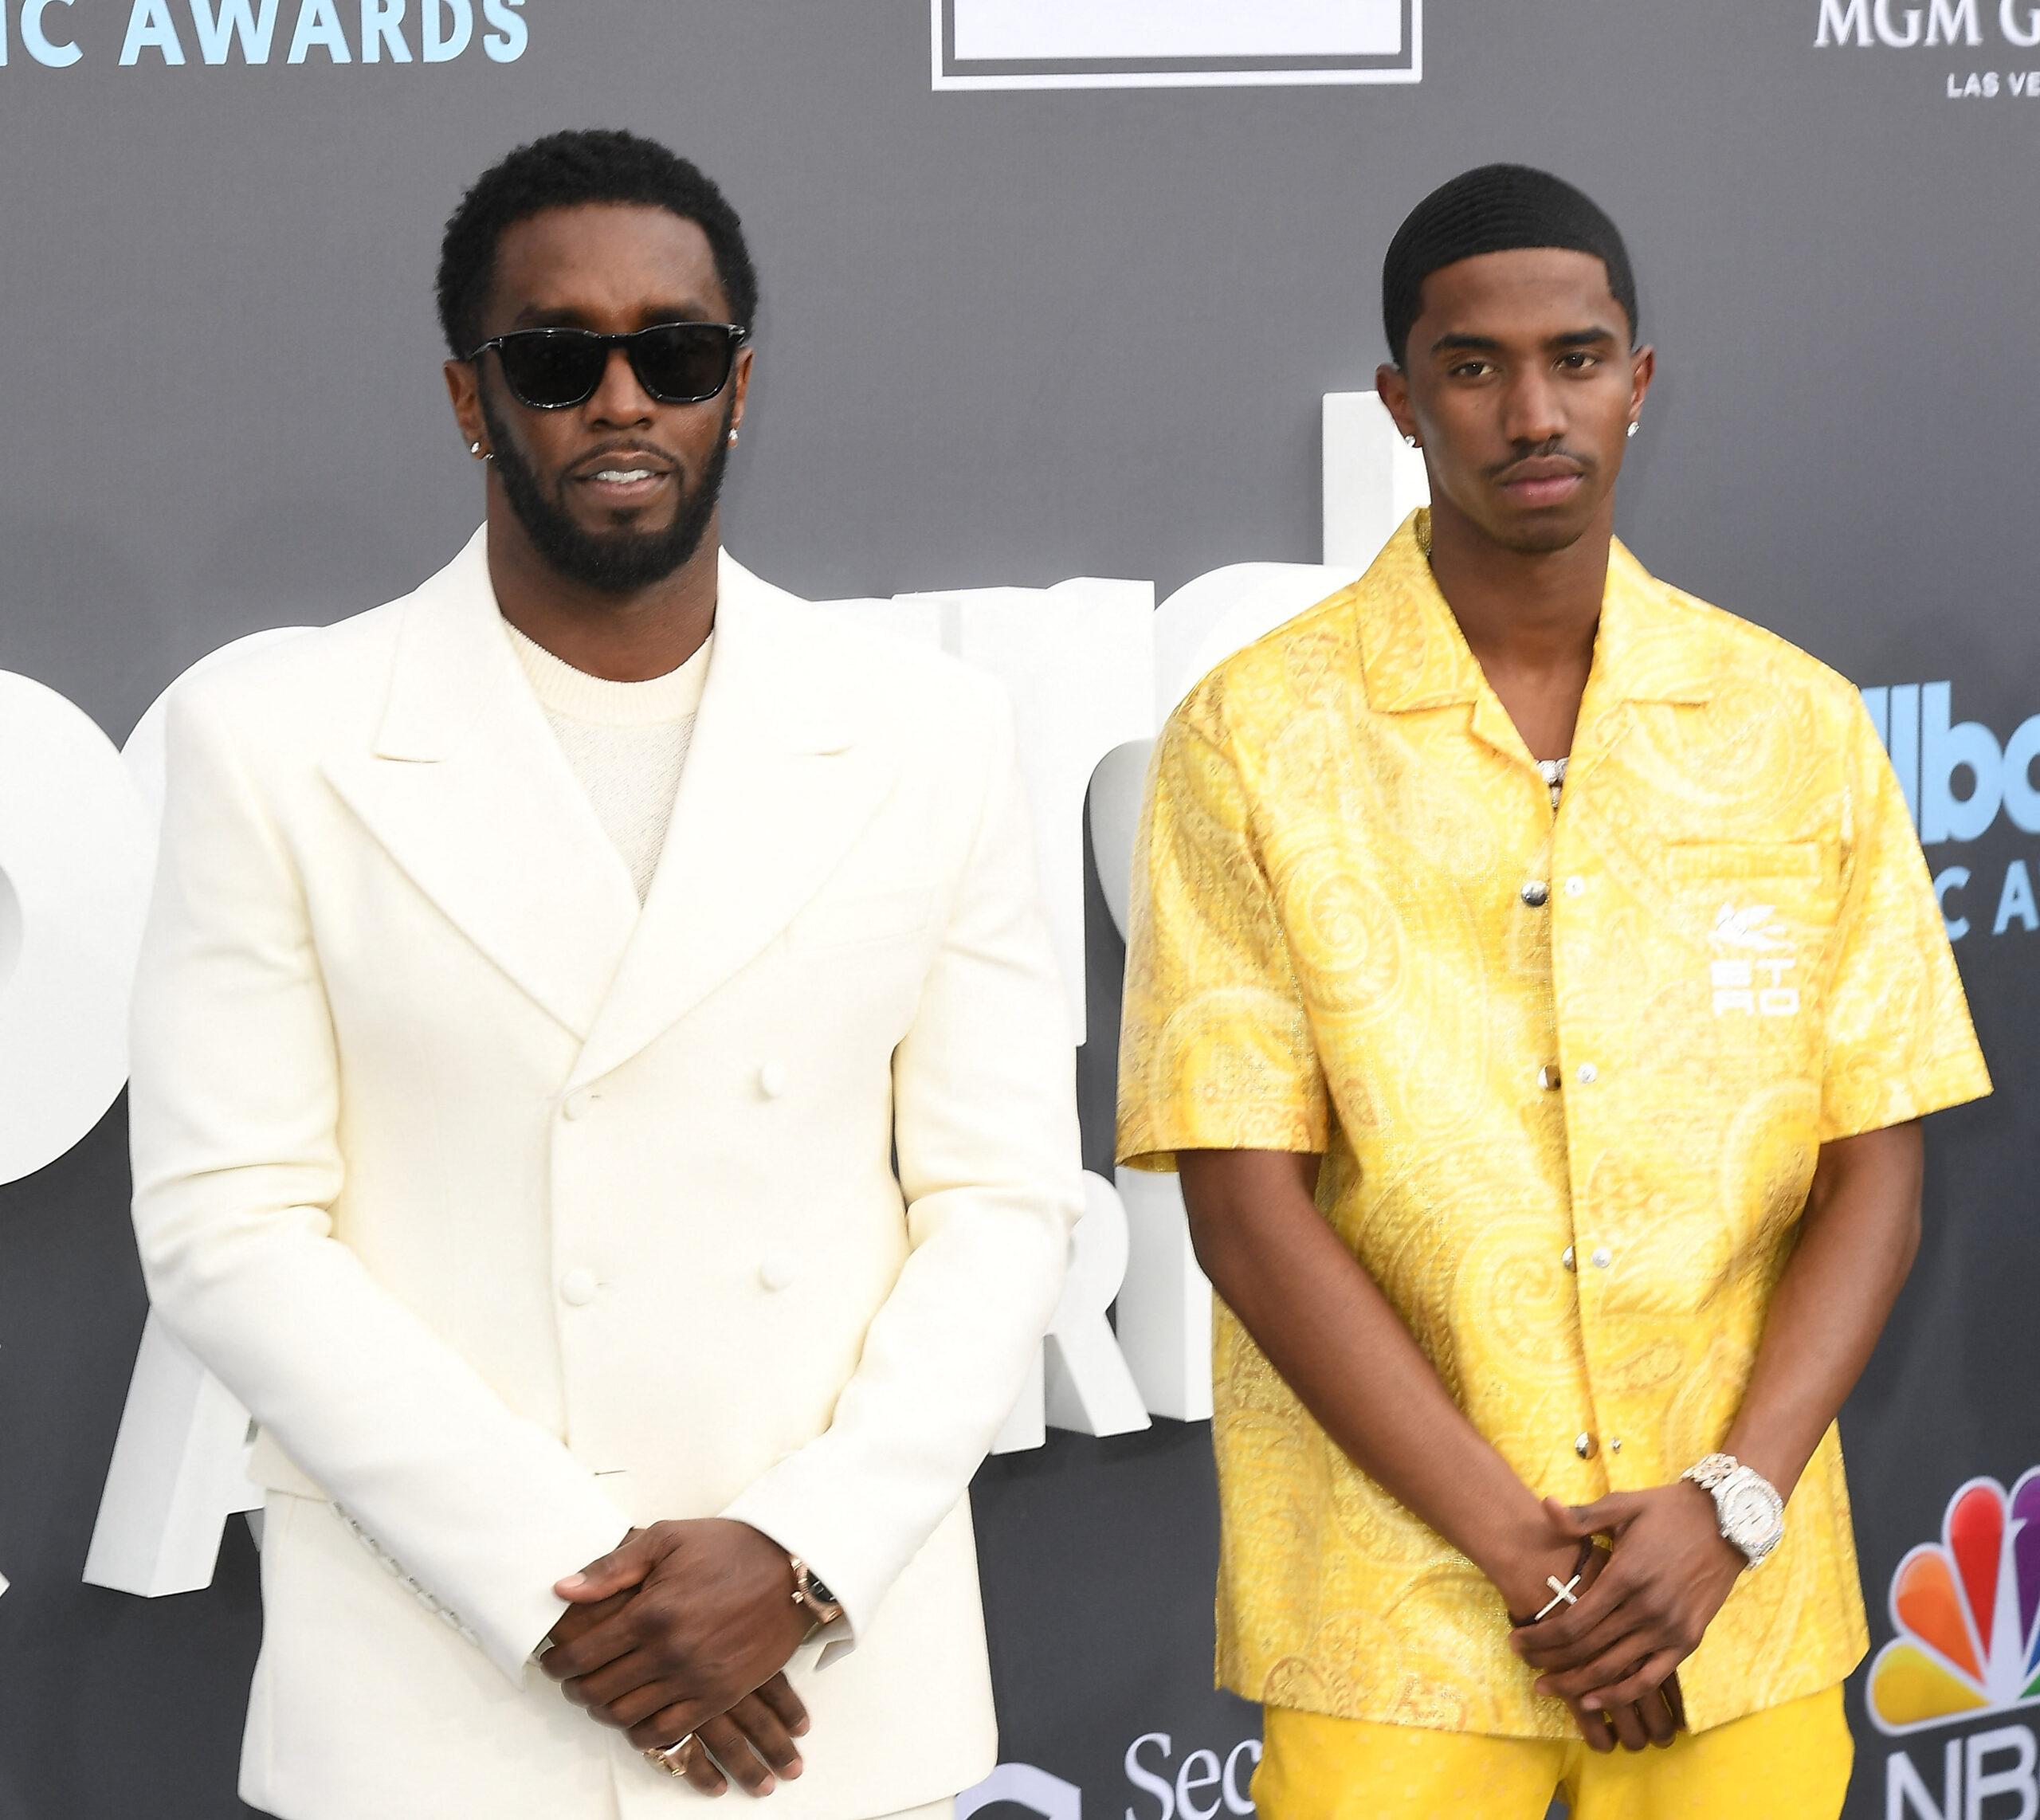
(1543, 452)
(603, 451)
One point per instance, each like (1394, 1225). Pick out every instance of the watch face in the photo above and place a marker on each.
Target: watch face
(819, 1593)
(1750, 1514)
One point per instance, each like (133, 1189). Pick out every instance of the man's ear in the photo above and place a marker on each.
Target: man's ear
(1643, 370)
(463, 387)
(1392, 386)
(740, 384)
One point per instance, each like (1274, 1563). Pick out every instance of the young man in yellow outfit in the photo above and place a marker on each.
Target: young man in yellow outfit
(1538, 984)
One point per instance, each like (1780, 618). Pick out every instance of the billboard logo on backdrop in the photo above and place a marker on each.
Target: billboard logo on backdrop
(1965, 1612)
(1933, 753)
(1138, 44)
(1939, 24)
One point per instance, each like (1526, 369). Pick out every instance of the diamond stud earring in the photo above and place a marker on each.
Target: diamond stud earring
(732, 439)
(1634, 428)
(1411, 441)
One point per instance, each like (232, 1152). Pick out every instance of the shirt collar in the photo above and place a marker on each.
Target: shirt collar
(1414, 655)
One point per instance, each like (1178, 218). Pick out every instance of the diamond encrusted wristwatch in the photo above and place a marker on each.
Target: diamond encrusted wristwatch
(1746, 1506)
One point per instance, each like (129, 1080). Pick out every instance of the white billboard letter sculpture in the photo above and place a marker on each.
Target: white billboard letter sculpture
(1084, 1383)
(179, 1466)
(1373, 480)
(1165, 1303)
(73, 889)
(1024, 1785)
(1078, 660)
(179, 1471)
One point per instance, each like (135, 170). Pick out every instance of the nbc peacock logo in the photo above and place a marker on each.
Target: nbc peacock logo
(1964, 1608)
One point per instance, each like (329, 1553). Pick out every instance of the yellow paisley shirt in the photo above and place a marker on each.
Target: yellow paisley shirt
(1569, 1073)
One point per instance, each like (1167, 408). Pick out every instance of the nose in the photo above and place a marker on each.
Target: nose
(1532, 412)
(620, 399)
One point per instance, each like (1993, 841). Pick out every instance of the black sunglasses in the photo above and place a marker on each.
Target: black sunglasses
(676, 362)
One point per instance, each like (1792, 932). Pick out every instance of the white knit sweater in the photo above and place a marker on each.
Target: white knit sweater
(626, 742)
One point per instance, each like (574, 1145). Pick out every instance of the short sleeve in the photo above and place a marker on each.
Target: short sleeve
(1899, 1043)
(1216, 1051)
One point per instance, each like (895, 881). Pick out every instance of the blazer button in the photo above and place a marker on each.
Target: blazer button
(578, 1288)
(772, 1080)
(779, 1271)
(1536, 894)
(1586, 1446)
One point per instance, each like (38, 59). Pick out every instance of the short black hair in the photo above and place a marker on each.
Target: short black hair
(1499, 208)
(566, 170)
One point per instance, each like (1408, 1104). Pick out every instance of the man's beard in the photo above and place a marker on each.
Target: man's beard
(609, 562)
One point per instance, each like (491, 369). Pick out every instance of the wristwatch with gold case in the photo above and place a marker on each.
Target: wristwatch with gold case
(820, 1604)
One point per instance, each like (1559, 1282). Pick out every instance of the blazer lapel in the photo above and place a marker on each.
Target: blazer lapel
(780, 782)
(468, 791)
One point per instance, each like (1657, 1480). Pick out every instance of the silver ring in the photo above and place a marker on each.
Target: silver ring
(671, 1758)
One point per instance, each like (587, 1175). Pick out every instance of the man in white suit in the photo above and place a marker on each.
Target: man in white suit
(603, 1100)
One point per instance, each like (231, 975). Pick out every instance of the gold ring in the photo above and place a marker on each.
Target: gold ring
(671, 1758)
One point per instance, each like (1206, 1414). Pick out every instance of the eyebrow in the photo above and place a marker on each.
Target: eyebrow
(565, 316)
(1488, 344)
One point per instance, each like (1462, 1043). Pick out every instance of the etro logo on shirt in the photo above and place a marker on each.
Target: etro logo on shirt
(1753, 970)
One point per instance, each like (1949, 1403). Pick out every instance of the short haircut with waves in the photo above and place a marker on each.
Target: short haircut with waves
(571, 169)
(1499, 208)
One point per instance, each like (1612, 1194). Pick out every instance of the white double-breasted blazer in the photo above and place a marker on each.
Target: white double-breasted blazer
(518, 1215)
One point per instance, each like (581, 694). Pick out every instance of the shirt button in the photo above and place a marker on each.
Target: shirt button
(771, 1080)
(575, 1106)
(578, 1288)
(1602, 1257)
(1536, 894)
(1569, 1261)
(1588, 1074)
(1547, 1078)
(1575, 886)
(1586, 1446)
(779, 1271)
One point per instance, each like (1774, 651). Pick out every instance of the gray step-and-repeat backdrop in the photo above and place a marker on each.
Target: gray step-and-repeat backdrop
(1055, 290)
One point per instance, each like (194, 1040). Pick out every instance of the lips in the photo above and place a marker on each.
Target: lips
(1543, 480)
(623, 477)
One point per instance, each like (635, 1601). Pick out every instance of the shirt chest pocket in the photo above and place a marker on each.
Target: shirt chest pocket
(1759, 898)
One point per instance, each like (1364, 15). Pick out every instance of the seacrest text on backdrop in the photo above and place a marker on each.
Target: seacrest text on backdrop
(1052, 291)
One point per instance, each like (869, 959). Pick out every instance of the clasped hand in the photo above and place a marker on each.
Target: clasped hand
(686, 1627)
(1612, 1657)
